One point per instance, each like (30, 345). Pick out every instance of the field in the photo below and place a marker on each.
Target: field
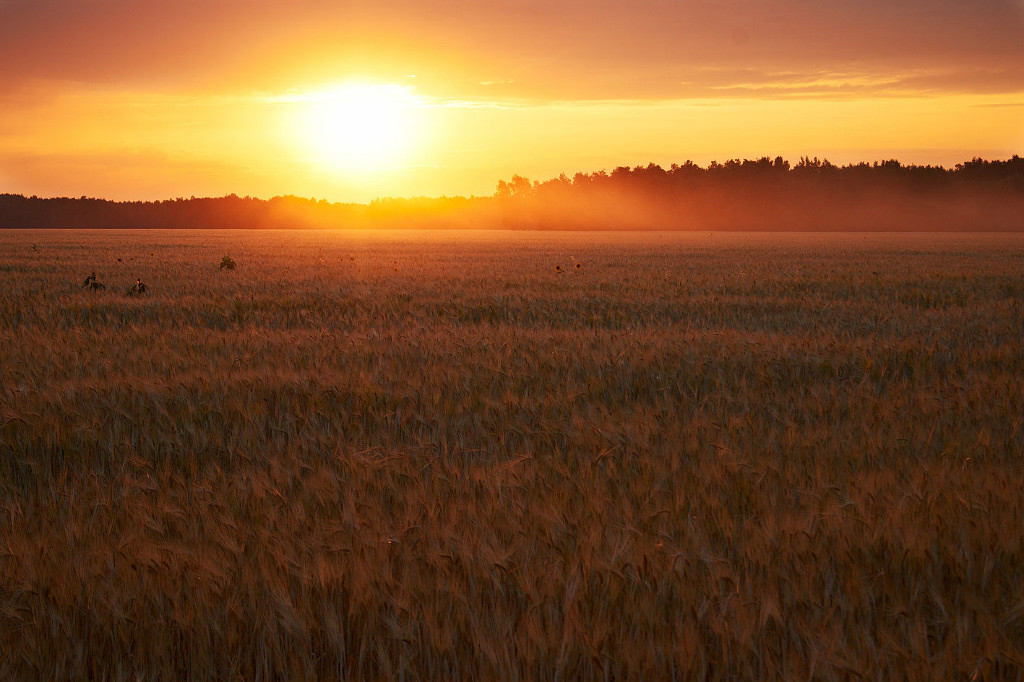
(405, 455)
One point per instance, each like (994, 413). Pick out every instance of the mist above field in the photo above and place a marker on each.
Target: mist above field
(764, 194)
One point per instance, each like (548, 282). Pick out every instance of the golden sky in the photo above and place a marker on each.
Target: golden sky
(353, 100)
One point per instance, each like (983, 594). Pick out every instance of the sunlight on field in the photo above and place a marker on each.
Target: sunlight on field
(439, 456)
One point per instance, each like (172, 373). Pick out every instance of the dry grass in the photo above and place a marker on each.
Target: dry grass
(431, 456)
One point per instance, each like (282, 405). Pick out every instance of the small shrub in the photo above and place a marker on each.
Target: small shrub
(92, 284)
(138, 288)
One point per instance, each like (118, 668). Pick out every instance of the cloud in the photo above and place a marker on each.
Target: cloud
(999, 105)
(841, 85)
(569, 49)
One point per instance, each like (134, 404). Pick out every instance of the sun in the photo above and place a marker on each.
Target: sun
(360, 126)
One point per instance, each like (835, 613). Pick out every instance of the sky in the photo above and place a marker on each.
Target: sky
(349, 101)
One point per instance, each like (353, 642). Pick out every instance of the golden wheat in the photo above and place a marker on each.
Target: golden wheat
(406, 455)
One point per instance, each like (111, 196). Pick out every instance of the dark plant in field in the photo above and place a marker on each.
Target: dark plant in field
(227, 263)
(91, 284)
(138, 288)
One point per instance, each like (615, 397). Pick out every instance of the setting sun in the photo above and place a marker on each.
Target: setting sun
(358, 127)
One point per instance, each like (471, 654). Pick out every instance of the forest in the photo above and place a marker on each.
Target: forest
(764, 194)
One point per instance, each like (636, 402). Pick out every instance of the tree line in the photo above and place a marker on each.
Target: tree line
(759, 194)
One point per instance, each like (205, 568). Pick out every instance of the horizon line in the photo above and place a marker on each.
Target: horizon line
(823, 162)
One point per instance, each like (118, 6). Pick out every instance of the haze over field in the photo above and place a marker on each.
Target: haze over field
(760, 195)
(353, 100)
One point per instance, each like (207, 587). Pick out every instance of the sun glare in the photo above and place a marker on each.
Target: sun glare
(361, 126)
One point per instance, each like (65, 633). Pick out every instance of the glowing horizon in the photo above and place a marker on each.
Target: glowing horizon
(446, 98)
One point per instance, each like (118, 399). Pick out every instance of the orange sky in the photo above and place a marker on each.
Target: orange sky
(353, 100)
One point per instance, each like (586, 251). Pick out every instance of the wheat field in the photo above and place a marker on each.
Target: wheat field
(432, 455)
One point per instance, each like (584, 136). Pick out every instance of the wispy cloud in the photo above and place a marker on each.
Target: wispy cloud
(828, 84)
